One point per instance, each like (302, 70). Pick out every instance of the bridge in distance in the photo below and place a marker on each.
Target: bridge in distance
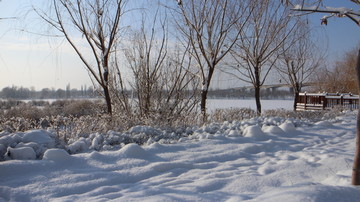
(271, 86)
(269, 90)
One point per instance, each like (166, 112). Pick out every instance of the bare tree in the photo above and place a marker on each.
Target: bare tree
(257, 50)
(211, 28)
(97, 22)
(300, 59)
(163, 83)
(340, 77)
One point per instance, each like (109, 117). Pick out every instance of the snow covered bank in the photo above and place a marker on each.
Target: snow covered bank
(253, 160)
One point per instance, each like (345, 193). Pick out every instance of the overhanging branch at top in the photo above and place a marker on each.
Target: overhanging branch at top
(337, 12)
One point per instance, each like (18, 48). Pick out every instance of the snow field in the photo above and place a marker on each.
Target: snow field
(262, 159)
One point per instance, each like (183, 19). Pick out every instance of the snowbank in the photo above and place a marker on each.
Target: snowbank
(41, 140)
(262, 159)
(56, 155)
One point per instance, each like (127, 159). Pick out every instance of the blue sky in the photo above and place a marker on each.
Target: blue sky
(31, 60)
(342, 33)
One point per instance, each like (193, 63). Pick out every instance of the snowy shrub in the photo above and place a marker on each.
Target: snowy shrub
(81, 108)
(97, 141)
(324, 123)
(221, 115)
(8, 104)
(78, 126)
(132, 151)
(75, 108)
(80, 145)
(38, 136)
(39, 103)
(255, 132)
(273, 129)
(38, 149)
(25, 111)
(287, 127)
(312, 116)
(23, 153)
(56, 155)
(20, 116)
(11, 140)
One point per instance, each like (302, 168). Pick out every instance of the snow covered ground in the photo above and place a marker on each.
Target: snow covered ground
(262, 159)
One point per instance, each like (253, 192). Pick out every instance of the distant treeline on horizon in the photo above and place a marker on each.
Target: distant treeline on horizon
(15, 92)
(21, 93)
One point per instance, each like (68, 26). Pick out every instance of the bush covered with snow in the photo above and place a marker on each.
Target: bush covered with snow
(80, 132)
(85, 134)
(21, 153)
(56, 155)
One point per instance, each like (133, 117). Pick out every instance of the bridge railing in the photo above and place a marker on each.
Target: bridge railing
(322, 101)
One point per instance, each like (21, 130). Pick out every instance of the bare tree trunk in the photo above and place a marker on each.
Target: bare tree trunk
(356, 167)
(203, 104)
(108, 99)
(296, 96)
(297, 90)
(205, 90)
(257, 90)
(105, 82)
(257, 100)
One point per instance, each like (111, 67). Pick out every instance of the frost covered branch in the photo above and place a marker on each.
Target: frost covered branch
(337, 12)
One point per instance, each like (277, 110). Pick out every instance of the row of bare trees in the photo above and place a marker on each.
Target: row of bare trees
(171, 71)
(267, 36)
(247, 40)
(340, 78)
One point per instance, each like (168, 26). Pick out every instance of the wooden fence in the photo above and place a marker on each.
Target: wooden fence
(322, 101)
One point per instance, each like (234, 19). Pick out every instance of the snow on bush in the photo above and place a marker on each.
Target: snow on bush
(56, 155)
(38, 149)
(287, 127)
(233, 133)
(255, 132)
(323, 123)
(273, 130)
(132, 151)
(80, 145)
(39, 136)
(22, 153)
(38, 140)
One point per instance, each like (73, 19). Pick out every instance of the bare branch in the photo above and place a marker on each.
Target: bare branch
(338, 12)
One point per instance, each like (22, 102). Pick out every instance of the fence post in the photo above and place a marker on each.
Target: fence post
(305, 101)
(324, 102)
